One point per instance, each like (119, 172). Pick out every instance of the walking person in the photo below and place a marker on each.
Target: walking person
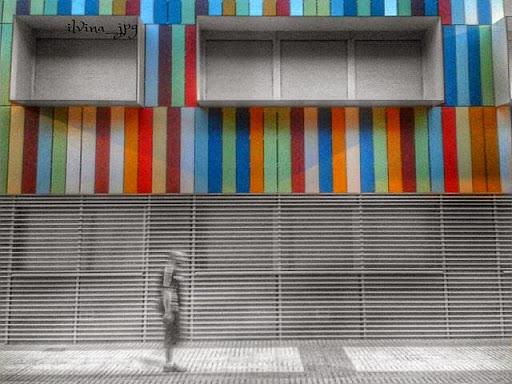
(170, 305)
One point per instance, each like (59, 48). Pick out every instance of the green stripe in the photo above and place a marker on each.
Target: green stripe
(5, 113)
(178, 66)
(188, 12)
(364, 8)
(228, 150)
(60, 138)
(270, 149)
(9, 9)
(404, 7)
(323, 8)
(105, 7)
(37, 7)
(5, 62)
(486, 74)
(421, 148)
(1, 9)
(242, 7)
(309, 7)
(284, 150)
(463, 134)
(380, 151)
(50, 7)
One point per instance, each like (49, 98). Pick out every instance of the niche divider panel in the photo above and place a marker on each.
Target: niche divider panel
(502, 60)
(319, 61)
(77, 60)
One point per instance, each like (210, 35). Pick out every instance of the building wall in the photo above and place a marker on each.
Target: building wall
(173, 146)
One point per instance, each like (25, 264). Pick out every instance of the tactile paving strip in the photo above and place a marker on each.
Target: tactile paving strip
(435, 359)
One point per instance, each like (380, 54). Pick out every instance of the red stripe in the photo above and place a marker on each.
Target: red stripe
(190, 66)
(145, 155)
(407, 149)
(30, 132)
(101, 175)
(451, 179)
(164, 65)
(283, 7)
(132, 7)
(297, 144)
(173, 150)
(445, 11)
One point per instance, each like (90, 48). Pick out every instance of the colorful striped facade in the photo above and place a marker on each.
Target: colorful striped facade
(172, 146)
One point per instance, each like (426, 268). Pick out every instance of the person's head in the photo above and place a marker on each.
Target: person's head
(176, 257)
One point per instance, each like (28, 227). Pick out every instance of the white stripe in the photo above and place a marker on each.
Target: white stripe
(353, 150)
(116, 150)
(505, 148)
(74, 149)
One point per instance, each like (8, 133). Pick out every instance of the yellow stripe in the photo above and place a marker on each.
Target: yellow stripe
(131, 144)
(15, 165)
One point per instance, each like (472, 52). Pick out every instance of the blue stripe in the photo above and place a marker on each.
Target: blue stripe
(22, 7)
(201, 150)
(78, 7)
(215, 7)
(391, 7)
(337, 7)
(151, 67)
(44, 151)
(475, 89)
(64, 7)
(450, 68)
(435, 147)
(461, 42)
(242, 150)
(350, 8)
(377, 7)
(91, 7)
(296, 8)
(215, 150)
(160, 12)
(458, 12)
(366, 150)
(146, 11)
(256, 7)
(325, 149)
(484, 12)
(431, 8)
(174, 12)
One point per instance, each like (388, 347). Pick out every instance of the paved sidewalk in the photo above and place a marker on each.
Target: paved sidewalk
(252, 362)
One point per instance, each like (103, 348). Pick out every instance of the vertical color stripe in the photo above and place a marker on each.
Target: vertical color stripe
(339, 160)
(380, 150)
(487, 77)
(9, 9)
(60, 128)
(242, 7)
(350, 8)
(461, 60)
(457, 11)
(91, 7)
(363, 8)
(309, 7)
(116, 166)
(173, 149)
(102, 150)
(464, 150)
(282, 7)
(297, 149)
(15, 162)
(417, 7)
(256, 7)
(160, 12)
(145, 150)
(50, 7)
(188, 12)
(421, 150)
(484, 12)
(505, 148)
(450, 66)
(311, 150)
(323, 7)
(284, 180)
(390, 7)
(256, 149)
(159, 161)
(164, 65)
(451, 180)
(74, 150)
(187, 150)
(190, 65)
(64, 7)
(147, 9)
(296, 8)
(378, 8)
(352, 150)
(497, 10)
(492, 162)
(325, 149)
(269, 7)
(394, 149)
(242, 150)
(431, 8)
(151, 66)
(476, 123)
(78, 7)
(215, 150)
(228, 7)
(435, 147)
(228, 150)
(119, 7)
(178, 66)
(5, 62)
(28, 184)
(202, 7)
(270, 149)
(215, 7)
(404, 7)
(445, 11)
(475, 89)
(4, 146)
(44, 151)
(366, 152)
(36, 8)
(201, 151)
(88, 164)
(407, 147)
(337, 7)
(471, 12)
(131, 149)
(133, 7)
(174, 11)
(106, 7)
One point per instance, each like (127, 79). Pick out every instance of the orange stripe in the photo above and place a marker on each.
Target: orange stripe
(228, 8)
(492, 157)
(339, 157)
(269, 7)
(256, 149)
(131, 133)
(394, 153)
(476, 126)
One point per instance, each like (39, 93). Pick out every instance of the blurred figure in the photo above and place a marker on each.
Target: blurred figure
(170, 300)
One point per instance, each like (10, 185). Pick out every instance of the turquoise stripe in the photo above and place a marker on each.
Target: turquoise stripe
(178, 66)
(256, 7)
(151, 66)
(435, 145)
(5, 118)
(9, 9)
(5, 62)
(78, 7)
(296, 7)
(458, 11)
(242, 7)
(461, 59)
(390, 7)
(50, 7)
(147, 8)
(44, 150)
(201, 150)
(188, 12)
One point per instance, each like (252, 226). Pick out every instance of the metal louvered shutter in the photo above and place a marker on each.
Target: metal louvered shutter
(87, 268)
